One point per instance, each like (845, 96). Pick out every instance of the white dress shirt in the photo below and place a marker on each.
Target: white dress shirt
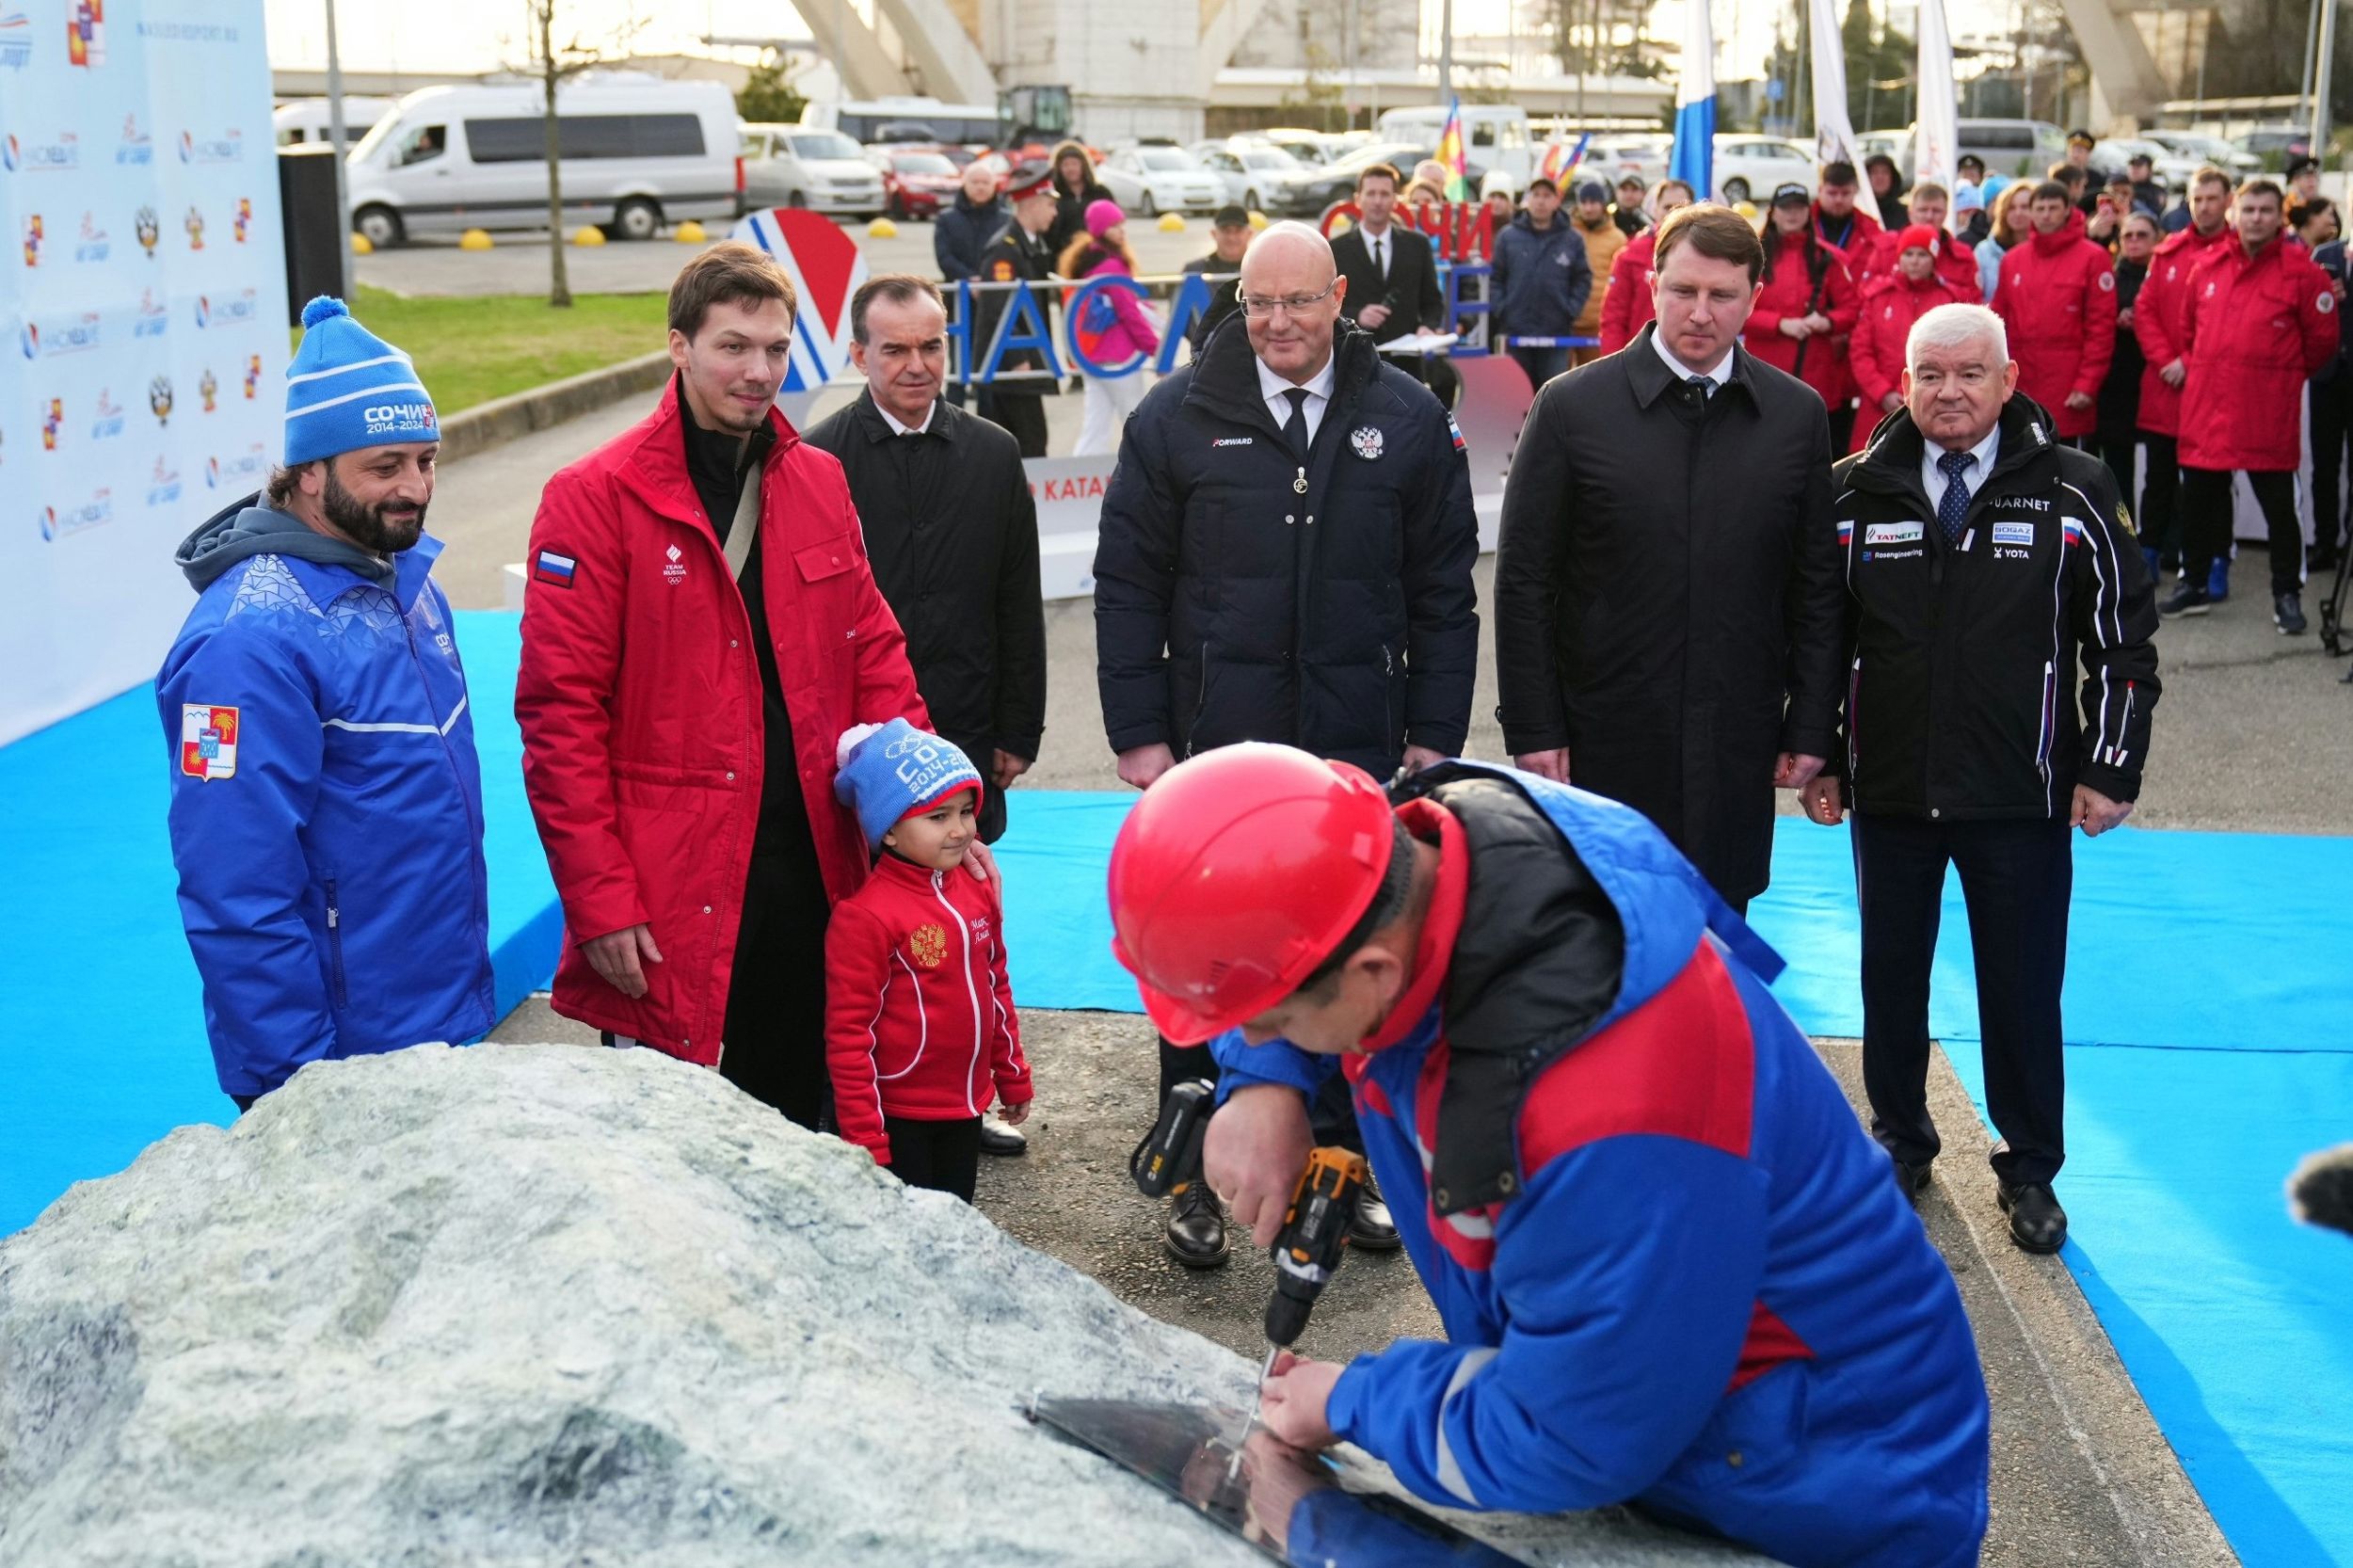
(1318, 387)
(1933, 479)
(1720, 375)
(898, 429)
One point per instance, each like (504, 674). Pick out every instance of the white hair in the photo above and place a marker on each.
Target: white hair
(1950, 327)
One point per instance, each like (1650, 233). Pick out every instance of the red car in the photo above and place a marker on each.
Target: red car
(915, 183)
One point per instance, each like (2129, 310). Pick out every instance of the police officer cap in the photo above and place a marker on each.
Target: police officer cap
(2082, 138)
(1792, 195)
(1033, 178)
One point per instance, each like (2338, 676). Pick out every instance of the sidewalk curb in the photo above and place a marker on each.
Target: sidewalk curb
(478, 429)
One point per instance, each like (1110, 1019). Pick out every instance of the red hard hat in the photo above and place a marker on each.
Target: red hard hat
(1236, 874)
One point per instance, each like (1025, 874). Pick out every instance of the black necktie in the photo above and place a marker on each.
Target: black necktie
(1953, 506)
(1380, 263)
(1700, 388)
(1295, 427)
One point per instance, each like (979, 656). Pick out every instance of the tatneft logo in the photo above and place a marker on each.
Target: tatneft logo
(397, 416)
(93, 245)
(16, 39)
(108, 420)
(74, 335)
(61, 156)
(226, 148)
(56, 524)
(163, 486)
(136, 146)
(235, 310)
(155, 318)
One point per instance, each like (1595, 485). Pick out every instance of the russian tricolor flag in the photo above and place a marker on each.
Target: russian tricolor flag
(1695, 159)
(554, 569)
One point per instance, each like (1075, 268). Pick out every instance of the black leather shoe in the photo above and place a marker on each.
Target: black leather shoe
(1912, 1179)
(1196, 1235)
(1371, 1229)
(2037, 1223)
(997, 1138)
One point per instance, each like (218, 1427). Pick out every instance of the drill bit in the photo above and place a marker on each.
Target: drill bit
(1257, 1395)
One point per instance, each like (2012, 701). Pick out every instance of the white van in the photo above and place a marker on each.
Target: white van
(304, 119)
(639, 152)
(1495, 136)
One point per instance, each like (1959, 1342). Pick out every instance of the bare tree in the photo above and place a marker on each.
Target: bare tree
(553, 66)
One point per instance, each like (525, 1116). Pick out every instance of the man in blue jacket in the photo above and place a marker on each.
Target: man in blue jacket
(1542, 280)
(325, 800)
(1670, 1266)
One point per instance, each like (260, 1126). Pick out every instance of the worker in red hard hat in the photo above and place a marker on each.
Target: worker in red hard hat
(1673, 1269)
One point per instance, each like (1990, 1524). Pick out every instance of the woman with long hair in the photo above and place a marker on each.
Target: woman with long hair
(2011, 225)
(1075, 188)
(1628, 307)
(1808, 308)
(1118, 325)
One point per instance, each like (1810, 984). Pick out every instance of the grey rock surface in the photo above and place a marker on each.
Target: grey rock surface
(524, 1304)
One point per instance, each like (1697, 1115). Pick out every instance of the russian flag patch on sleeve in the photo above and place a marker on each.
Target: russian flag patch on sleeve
(1454, 430)
(548, 566)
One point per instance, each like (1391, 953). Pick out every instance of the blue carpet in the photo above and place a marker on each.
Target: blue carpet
(2210, 1014)
(109, 1052)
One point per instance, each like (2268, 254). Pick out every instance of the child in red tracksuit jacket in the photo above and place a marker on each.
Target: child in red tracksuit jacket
(920, 1026)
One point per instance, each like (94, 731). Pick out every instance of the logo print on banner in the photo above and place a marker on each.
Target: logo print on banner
(193, 223)
(154, 319)
(51, 420)
(86, 33)
(162, 487)
(252, 375)
(243, 220)
(99, 508)
(250, 466)
(138, 147)
(207, 389)
(30, 338)
(61, 156)
(159, 398)
(149, 229)
(72, 335)
(16, 39)
(227, 148)
(107, 420)
(825, 267)
(32, 239)
(93, 245)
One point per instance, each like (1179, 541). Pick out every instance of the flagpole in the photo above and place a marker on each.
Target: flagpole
(1446, 51)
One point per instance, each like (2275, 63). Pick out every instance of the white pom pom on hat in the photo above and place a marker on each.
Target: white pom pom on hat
(848, 743)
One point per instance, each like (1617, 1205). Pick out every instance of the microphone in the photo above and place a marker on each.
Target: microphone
(2321, 1191)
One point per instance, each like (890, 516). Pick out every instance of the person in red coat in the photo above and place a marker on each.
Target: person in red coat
(1883, 326)
(2157, 319)
(1628, 307)
(1837, 221)
(2260, 320)
(1806, 308)
(687, 665)
(2057, 299)
(1955, 261)
(921, 1032)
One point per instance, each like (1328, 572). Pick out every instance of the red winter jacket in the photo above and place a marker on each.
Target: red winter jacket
(2058, 297)
(2157, 315)
(1890, 306)
(2255, 329)
(1787, 293)
(640, 706)
(1628, 307)
(1956, 263)
(1865, 227)
(919, 1014)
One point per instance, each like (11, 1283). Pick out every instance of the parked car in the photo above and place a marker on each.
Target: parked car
(2274, 145)
(2203, 149)
(791, 166)
(2013, 147)
(1610, 159)
(915, 179)
(639, 152)
(1153, 180)
(1750, 168)
(1258, 175)
(1313, 149)
(905, 119)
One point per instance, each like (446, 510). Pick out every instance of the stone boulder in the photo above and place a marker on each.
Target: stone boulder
(553, 1305)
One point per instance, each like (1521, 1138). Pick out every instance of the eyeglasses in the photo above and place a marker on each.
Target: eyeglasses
(1290, 304)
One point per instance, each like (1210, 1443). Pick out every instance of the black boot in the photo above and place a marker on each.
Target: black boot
(1372, 1230)
(1196, 1235)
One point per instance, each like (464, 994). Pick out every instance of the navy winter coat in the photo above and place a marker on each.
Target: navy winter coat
(962, 232)
(1542, 277)
(1243, 596)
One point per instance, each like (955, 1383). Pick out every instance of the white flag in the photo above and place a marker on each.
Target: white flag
(1834, 133)
(1936, 136)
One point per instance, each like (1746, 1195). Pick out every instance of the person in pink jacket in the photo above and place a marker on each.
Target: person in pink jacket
(1113, 328)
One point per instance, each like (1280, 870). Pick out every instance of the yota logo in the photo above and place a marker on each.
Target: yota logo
(193, 223)
(159, 398)
(208, 389)
(147, 229)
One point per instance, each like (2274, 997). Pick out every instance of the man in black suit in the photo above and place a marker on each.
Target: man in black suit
(1392, 276)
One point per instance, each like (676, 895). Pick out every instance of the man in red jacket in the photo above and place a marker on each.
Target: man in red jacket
(2157, 318)
(2058, 300)
(701, 625)
(2260, 320)
(1837, 221)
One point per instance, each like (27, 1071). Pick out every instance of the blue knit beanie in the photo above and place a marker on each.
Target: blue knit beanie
(891, 772)
(348, 389)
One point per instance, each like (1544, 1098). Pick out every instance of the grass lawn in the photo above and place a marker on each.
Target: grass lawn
(469, 351)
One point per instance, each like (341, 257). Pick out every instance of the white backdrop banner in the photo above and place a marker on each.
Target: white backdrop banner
(142, 377)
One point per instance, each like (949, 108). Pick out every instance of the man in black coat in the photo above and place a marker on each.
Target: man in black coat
(1019, 251)
(1231, 232)
(1301, 576)
(1392, 273)
(951, 530)
(1671, 642)
(962, 232)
